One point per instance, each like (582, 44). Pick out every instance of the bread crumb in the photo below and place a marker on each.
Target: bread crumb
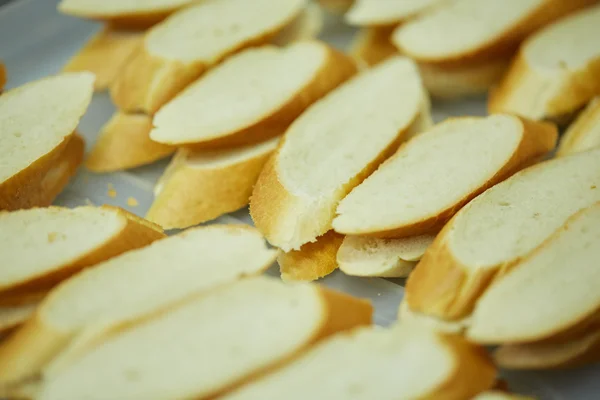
(132, 202)
(111, 191)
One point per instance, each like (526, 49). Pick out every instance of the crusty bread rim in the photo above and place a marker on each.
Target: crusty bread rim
(587, 120)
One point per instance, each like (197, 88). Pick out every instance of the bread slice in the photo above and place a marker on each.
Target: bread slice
(551, 77)
(498, 395)
(200, 186)
(78, 315)
(584, 133)
(238, 331)
(222, 109)
(2, 76)
(404, 362)
(406, 315)
(178, 50)
(388, 13)
(37, 133)
(124, 142)
(372, 45)
(386, 258)
(477, 30)
(13, 317)
(308, 25)
(324, 153)
(497, 229)
(313, 260)
(435, 174)
(105, 55)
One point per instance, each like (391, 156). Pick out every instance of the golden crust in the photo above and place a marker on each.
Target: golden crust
(2, 76)
(13, 317)
(574, 139)
(313, 260)
(373, 45)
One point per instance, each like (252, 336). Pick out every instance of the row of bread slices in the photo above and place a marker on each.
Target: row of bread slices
(116, 310)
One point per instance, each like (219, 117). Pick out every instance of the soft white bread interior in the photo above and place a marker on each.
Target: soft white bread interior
(200, 186)
(551, 77)
(222, 108)
(498, 395)
(12, 317)
(584, 133)
(216, 341)
(377, 13)
(331, 148)
(497, 229)
(178, 50)
(36, 133)
(313, 261)
(124, 142)
(407, 361)
(105, 54)
(436, 173)
(306, 26)
(78, 314)
(386, 258)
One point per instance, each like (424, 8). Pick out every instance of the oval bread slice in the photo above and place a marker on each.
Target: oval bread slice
(584, 133)
(331, 148)
(497, 229)
(216, 341)
(435, 174)
(377, 13)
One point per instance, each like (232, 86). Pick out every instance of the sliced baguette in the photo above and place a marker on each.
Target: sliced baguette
(325, 152)
(406, 315)
(551, 77)
(405, 362)
(237, 332)
(200, 186)
(222, 108)
(386, 13)
(435, 174)
(78, 315)
(124, 142)
(373, 45)
(105, 55)
(313, 260)
(39, 149)
(497, 229)
(178, 50)
(584, 133)
(306, 26)
(386, 258)
(13, 317)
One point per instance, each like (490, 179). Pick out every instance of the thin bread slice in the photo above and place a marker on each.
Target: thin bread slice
(404, 362)
(435, 174)
(406, 315)
(124, 142)
(498, 395)
(306, 26)
(105, 55)
(222, 109)
(497, 229)
(313, 261)
(545, 297)
(386, 13)
(78, 315)
(386, 258)
(551, 77)
(584, 133)
(325, 152)
(37, 134)
(42, 246)
(476, 30)
(178, 50)
(13, 317)
(237, 332)
(200, 186)
(2, 76)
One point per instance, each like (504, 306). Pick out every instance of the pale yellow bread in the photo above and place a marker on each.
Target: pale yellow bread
(406, 361)
(209, 344)
(13, 317)
(308, 25)
(462, 31)
(324, 153)
(313, 260)
(336, 6)
(222, 108)
(406, 315)
(386, 258)
(433, 175)
(105, 55)
(39, 149)
(584, 133)
(546, 298)
(497, 230)
(498, 395)
(124, 142)
(178, 50)
(78, 315)
(2, 76)
(372, 45)
(42, 246)
(200, 186)
(386, 13)
(551, 77)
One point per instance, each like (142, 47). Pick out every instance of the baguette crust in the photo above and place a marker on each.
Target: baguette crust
(13, 317)
(313, 260)
(2, 76)
(582, 135)
(125, 143)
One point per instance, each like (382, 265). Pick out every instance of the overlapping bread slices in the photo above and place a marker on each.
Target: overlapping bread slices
(306, 26)
(404, 362)
(313, 260)
(556, 71)
(331, 148)
(376, 13)
(584, 133)
(87, 309)
(203, 185)
(209, 344)
(497, 229)
(40, 149)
